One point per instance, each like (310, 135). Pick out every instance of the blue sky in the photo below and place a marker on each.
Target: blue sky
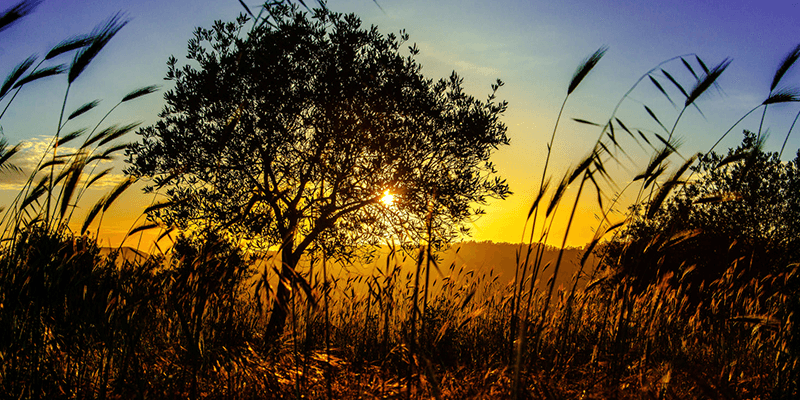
(534, 46)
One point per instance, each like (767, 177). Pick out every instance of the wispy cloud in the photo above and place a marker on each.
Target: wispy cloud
(34, 150)
(485, 71)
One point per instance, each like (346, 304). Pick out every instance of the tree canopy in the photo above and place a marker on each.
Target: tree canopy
(741, 209)
(291, 133)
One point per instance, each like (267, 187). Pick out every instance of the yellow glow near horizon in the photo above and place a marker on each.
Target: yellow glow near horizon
(387, 199)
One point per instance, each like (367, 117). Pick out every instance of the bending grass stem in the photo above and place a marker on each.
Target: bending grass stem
(55, 151)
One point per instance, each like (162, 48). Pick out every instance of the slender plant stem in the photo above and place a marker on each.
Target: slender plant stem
(787, 134)
(763, 116)
(55, 151)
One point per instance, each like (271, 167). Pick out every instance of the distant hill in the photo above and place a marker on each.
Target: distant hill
(489, 257)
(125, 253)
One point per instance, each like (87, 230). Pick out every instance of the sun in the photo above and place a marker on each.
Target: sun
(387, 199)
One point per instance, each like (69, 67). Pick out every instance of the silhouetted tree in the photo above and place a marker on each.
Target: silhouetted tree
(291, 135)
(741, 208)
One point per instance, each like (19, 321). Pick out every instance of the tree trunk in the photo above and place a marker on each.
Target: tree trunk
(277, 319)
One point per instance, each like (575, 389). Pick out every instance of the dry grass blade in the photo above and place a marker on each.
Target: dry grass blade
(612, 136)
(60, 160)
(109, 134)
(702, 64)
(582, 167)
(117, 133)
(733, 158)
(39, 74)
(605, 149)
(99, 157)
(705, 83)
(142, 227)
(64, 172)
(159, 206)
(164, 234)
(600, 167)
(15, 74)
(673, 146)
(6, 154)
(661, 89)
(143, 91)
(597, 189)
(596, 241)
(659, 158)
(246, 8)
(303, 283)
(15, 13)
(68, 45)
(83, 109)
(783, 96)
(538, 198)
(689, 67)
(92, 214)
(121, 187)
(653, 115)
(470, 295)
(663, 192)
(99, 136)
(675, 82)
(114, 149)
(583, 121)
(70, 137)
(786, 139)
(644, 137)
(584, 68)
(99, 38)
(98, 176)
(474, 314)
(75, 172)
(625, 128)
(765, 320)
(374, 1)
(653, 176)
(787, 63)
(595, 283)
(557, 195)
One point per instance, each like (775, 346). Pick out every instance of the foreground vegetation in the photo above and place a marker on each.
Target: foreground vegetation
(694, 294)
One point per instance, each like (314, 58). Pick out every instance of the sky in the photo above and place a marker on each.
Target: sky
(533, 46)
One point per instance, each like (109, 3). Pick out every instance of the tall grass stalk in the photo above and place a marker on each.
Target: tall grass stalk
(580, 73)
